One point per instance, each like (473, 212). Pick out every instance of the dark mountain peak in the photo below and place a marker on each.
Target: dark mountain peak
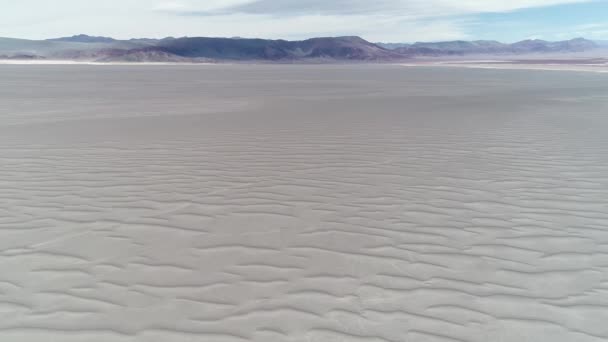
(532, 40)
(339, 40)
(530, 43)
(332, 48)
(83, 38)
(352, 39)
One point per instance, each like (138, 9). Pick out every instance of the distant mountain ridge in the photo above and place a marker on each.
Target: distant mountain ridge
(197, 49)
(83, 38)
(602, 43)
(204, 49)
(529, 46)
(338, 48)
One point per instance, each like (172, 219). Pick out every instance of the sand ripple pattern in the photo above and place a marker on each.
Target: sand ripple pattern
(367, 213)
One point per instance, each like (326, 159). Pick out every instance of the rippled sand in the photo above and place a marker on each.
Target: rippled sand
(302, 203)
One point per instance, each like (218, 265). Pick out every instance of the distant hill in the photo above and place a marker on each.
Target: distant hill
(338, 48)
(451, 48)
(602, 43)
(536, 45)
(393, 46)
(57, 48)
(324, 49)
(83, 38)
(82, 47)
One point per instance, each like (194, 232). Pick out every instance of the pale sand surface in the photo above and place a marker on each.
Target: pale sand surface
(510, 65)
(302, 203)
(69, 62)
(473, 64)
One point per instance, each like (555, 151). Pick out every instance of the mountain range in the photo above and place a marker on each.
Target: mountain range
(325, 49)
(492, 47)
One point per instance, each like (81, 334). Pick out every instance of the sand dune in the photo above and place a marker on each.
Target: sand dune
(302, 203)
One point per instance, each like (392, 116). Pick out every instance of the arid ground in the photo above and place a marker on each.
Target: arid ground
(303, 203)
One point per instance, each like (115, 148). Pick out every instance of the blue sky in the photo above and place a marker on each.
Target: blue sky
(375, 20)
(552, 23)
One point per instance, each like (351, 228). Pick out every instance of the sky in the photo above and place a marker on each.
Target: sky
(374, 20)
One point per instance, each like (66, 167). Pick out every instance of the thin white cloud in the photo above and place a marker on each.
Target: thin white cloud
(376, 20)
(488, 6)
(592, 31)
(198, 6)
(412, 8)
(170, 6)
